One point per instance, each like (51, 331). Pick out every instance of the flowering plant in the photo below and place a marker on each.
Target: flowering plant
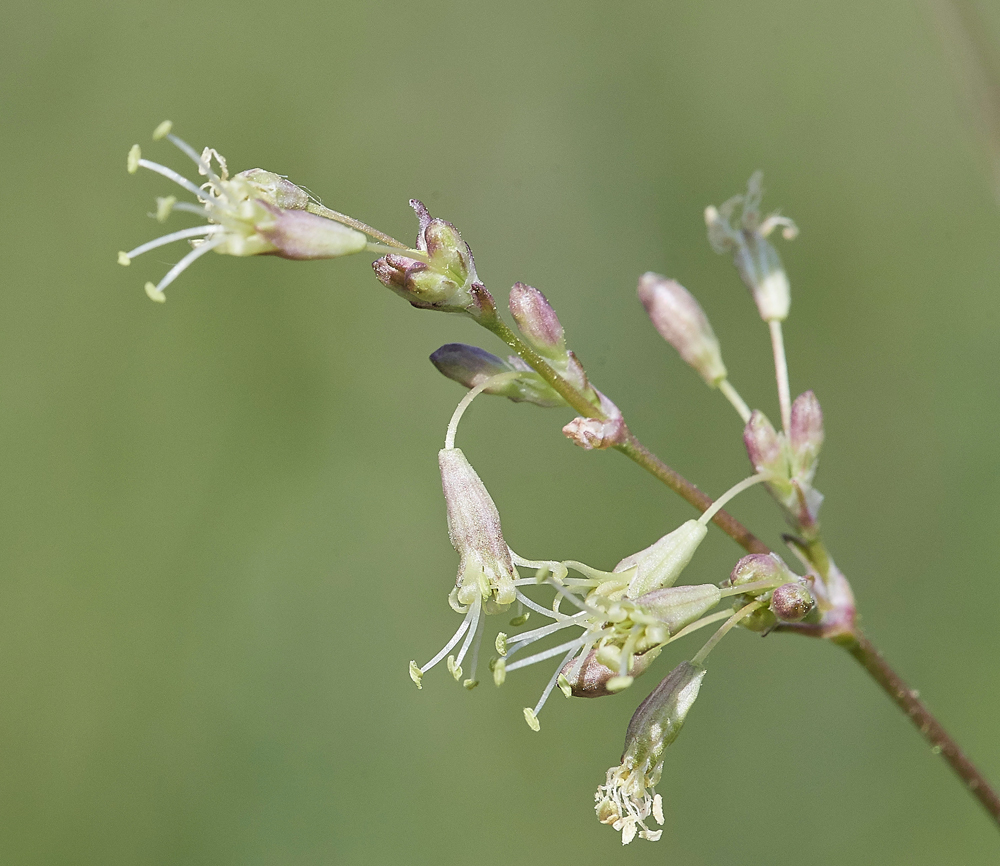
(604, 628)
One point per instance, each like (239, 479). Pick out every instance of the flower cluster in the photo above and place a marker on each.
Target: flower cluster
(603, 628)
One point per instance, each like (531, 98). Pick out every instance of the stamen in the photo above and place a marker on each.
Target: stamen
(156, 292)
(448, 646)
(203, 165)
(477, 609)
(551, 685)
(546, 654)
(162, 130)
(179, 179)
(529, 637)
(196, 231)
(537, 608)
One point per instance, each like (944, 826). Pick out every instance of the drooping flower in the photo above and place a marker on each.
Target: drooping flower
(628, 797)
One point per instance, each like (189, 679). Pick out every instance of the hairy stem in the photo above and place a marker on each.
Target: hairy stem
(930, 728)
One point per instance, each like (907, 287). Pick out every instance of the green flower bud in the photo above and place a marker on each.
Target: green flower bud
(660, 564)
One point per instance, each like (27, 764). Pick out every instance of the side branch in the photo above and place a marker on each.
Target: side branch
(930, 728)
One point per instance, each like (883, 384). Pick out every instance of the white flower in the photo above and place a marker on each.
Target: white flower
(253, 213)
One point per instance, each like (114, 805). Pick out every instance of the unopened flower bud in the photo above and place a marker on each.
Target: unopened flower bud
(537, 321)
(806, 435)
(765, 447)
(792, 602)
(485, 568)
(660, 564)
(757, 567)
(471, 366)
(681, 321)
(678, 606)
(628, 797)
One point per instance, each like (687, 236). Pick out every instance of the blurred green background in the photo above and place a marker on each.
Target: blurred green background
(223, 533)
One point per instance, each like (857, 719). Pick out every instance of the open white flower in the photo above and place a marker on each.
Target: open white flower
(255, 212)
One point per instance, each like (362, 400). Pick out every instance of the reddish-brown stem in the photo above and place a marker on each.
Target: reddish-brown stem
(930, 728)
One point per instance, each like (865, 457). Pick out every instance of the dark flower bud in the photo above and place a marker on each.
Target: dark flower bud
(537, 321)
(471, 366)
(757, 567)
(590, 678)
(765, 447)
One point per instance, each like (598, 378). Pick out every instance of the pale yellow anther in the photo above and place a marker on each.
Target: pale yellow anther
(520, 620)
(531, 719)
(134, 155)
(499, 672)
(416, 675)
(616, 684)
(609, 656)
(564, 685)
(123, 259)
(154, 293)
(163, 130)
(164, 205)
(658, 809)
(454, 669)
(470, 684)
(501, 643)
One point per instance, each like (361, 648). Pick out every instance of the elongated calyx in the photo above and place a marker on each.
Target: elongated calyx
(485, 568)
(660, 564)
(628, 798)
(680, 320)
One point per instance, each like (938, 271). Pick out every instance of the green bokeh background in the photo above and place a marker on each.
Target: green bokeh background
(223, 533)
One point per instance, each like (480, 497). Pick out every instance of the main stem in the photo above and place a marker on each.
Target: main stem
(853, 641)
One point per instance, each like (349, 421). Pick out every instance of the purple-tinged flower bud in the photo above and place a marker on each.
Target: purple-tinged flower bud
(445, 281)
(537, 321)
(628, 797)
(485, 571)
(588, 678)
(471, 366)
(660, 564)
(765, 447)
(595, 433)
(792, 602)
(678, 606)
(806, 435)
(681, 321)
(757, 567)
